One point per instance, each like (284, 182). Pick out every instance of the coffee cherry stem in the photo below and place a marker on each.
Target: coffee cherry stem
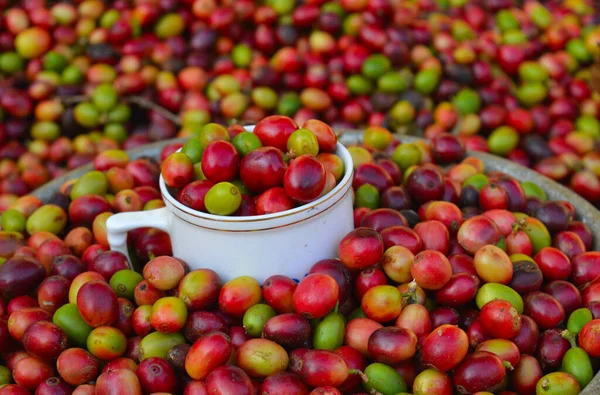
(148, 104)
(516, 228)
(571, 337)
(358, 372)
(411, 296)
(545, 384)
(519, 225)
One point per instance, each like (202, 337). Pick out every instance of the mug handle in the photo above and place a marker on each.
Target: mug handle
(119, 224)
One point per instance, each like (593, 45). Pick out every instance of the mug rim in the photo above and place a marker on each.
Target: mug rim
(341, 151)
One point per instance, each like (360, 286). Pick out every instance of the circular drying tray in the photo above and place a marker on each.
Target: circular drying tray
(586, 212)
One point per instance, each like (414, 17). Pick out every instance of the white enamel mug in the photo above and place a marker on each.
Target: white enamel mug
(286, 243)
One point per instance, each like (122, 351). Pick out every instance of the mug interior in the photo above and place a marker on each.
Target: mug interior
(341, 151)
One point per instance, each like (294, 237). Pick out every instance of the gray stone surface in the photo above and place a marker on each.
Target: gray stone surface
(46, 191)
(587, 213)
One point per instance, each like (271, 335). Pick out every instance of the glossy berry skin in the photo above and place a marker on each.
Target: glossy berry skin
(493, 265)
(168, 315)
(277, 291)
(448, 148)
(316, 295)
(569, 297)
(177, 170)
(367, 279)
(527, 277)
(272, 201)
(374, 174)
(544, 309)
(425, 184)
(304, 179)
(382, 303)
(432, 381)
(459, 290)
(526, 375)
(500, 319)
(97, 303)
(554, 264)
(275, 131)
(262, 169)
(77, 366)
(383, 218)
(44, 340)
(238, 295)
(569, 243)
(392, 345)
(192, 195)
(583, 231)
(223, 198)
(283, 382)
(445, 347)
(554, 215)
(480, 371)
(416, 318)
(503, 219)
(301, 142)
(207, 353)
(361, 248)
(322, 367)
(220, 161)
(434, 235)
(229, 379)
(493, 197)
(476, 232)
(516, 195)
(518, 243)
(402, 236)
(30, 372)
(157, 375)
(588, 338)
(431, 269)
(447, 213)
(290, 330)
(586, 268)
(551, 349)
(247, 207)
(114, 381)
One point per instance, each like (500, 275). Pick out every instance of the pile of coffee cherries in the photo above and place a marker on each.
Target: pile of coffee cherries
(508, 77)
(455, 280)
(215, 175)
